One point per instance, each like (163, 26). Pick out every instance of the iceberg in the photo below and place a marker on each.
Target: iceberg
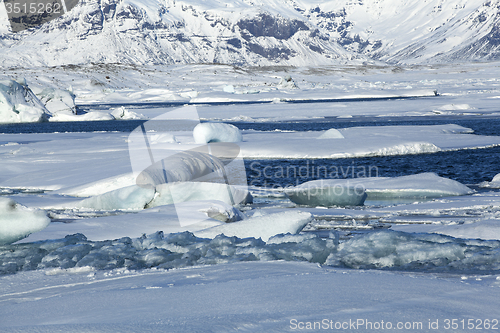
(419, 186)
(422, 252)
(130, 197)
(172, 193)
(19, 104)
(263, 227)
(327, 196)
(57, 100)
(18, 222)
(180, 167)
(216, 132)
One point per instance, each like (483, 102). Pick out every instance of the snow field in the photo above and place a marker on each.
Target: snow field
(249, 296)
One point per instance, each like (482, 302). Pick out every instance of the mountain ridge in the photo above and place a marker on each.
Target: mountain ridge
(260, 33)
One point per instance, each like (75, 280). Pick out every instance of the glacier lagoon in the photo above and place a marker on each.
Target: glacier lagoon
(416, 259)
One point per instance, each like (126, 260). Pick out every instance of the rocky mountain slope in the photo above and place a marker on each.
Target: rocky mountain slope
(259, 33)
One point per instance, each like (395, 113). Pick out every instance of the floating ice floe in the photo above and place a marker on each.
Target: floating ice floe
(422, 252)
(216, 132)
(17, 221)
(325, 192)
(19, 104)
(262, 227)
(180, 167)
(137, 198)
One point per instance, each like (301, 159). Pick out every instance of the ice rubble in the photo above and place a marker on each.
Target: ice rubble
(17, 221)
(57, 100)
(216, 132)
(19, 104)
(181, 167)
(423, 252)
(424, 185)
(192, 191)
(382, 249)
(136, 197)
(130, 197)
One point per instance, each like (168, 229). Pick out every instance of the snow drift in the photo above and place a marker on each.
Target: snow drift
(327, 196)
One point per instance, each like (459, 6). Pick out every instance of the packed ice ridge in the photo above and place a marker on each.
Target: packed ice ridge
(381, 250)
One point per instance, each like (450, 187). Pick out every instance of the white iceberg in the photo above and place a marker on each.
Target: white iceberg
(386, 249)
(131, 197)
(424, 185)
(19, 104)
(167, 194)
(263, 227)
(327, 196)
(182, 166)
(18, 222)
(216, 132)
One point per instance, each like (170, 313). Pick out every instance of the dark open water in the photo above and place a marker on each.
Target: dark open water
(469, 167)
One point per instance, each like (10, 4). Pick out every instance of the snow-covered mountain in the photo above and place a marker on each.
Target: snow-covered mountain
(258, 32)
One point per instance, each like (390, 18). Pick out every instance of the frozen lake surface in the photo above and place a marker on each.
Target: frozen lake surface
(419, 252)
